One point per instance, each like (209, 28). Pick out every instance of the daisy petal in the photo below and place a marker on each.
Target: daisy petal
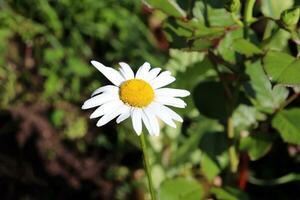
(152, 120)
(153, 73)
(111, 74)
(126, 114)
(171, 101)
(107, 107)
(107, 88)
(162, 80)
(143, 71)
(147, 123)
(110, 116)
(137, 120)
(99, 100)
(126, 71)
(172, 92)
(163, 115)
(170, 113)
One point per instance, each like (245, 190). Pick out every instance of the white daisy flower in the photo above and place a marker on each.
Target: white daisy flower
(140, 96)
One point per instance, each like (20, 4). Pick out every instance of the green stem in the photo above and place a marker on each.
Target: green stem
(292, 177)
(248, 16)
(147, 165)
(233, 158)
(236, 19)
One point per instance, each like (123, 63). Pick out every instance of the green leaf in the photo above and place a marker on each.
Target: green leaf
(180, 61)
(79, 68)
(54, 55)
(260, 91)
(245, 47)
(195, 72)
(192, 35)
(168, 6)
(219, 17)
(274, 38)
(213, 146)
(196, 131)
(282, 68)
(257, 145)
(76, 129)
(53, 85)
(226, 44)
(213, 32)
(287, 122)
(49, 15)
(57, 117)
(229, 193)
(273, 8)
(181, 188)
(176, 35)
(275, 63)
(210, 100)
(209, 166)
(246, 116)
(182, 29)
(215, 16)
(201, 45)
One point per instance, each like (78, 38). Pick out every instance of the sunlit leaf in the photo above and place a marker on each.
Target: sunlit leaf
(229, 193)
(245, 47)
(282, 68)
(212, 13)
(260, 91)
(76, 129)
(226, 43)
(245, 117)
(257, 145)
(273, 8)
(181, 188)
(287, 122)
(168, 6)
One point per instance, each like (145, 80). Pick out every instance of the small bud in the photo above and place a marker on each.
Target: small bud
(290, 17)
(232, 5)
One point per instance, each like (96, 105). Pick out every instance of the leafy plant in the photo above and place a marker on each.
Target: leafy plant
(240, 60)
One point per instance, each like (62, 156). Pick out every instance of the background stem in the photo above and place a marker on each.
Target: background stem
(233, 158)
(147, 165)
(248, 16)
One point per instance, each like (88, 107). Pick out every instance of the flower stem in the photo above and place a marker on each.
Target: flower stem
(147, 165)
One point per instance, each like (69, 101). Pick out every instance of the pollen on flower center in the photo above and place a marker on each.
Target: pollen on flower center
(136, 93)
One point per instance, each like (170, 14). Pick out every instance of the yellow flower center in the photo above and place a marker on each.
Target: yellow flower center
(136, 93)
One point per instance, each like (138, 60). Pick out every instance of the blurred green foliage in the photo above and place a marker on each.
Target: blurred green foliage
(244, 79)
